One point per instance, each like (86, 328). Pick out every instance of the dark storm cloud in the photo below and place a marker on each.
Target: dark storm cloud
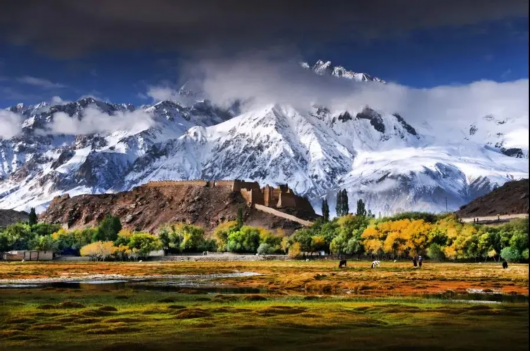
(65, 28)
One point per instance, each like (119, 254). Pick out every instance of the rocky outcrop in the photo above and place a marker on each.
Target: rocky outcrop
(145, 208)
(511, 198)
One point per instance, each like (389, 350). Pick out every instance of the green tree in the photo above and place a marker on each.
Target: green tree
(339, 206)
(361, 208)
(325, 210)
(171, 237)
(524, 255)
(247, 239)
(45, 228)
(222, 232)
(239, 217)
(435, 252)
(345, 203)
(32, 218)
(304, 237)
(265, 249)
(108, 229)
(18, 236)
(44, 243)
(192, 238)
(143, 243)
(511, 254)
(4, 243)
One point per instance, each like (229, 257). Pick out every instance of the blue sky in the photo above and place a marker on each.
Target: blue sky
(424, 58)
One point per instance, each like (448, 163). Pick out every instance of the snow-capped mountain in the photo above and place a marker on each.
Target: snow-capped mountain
(326, 68)
(377, 156)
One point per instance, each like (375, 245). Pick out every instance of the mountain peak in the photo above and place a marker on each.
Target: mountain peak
(326, 68)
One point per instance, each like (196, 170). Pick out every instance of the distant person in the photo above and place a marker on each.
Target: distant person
(420, 261)
(342, 264)
(504, 264)
(414, 262)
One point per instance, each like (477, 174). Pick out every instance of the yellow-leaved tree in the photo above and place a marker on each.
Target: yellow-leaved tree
(100, 250)
(373, 243)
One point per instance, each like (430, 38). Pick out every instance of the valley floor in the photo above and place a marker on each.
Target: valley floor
(290, 305)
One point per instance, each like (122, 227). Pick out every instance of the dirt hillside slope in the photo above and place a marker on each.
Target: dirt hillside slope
(145, 208)
(511, 198)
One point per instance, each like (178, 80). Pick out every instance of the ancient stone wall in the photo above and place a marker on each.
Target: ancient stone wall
(281, 197)
(227, 183)
(239, 184)
(164, 183)
(287, 200)
(283, 215)
(252, 196)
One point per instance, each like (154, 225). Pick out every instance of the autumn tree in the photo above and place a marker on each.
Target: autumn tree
(99, 250)
(294, 250)
(222, 232)
(143, 243)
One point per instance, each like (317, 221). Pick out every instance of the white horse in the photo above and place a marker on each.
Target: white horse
(376, 264)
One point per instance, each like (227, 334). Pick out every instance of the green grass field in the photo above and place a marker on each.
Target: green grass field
(96, 318)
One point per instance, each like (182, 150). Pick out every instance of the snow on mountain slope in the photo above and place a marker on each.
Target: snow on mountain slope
(36, 166)
(376, 156)
(326, 68)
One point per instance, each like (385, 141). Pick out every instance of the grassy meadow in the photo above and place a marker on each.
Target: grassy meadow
(304, 305)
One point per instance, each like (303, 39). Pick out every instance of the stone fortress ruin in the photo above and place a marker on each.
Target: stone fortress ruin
(279, 198)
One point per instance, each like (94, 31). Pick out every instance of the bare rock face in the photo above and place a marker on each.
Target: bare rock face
(511, 198)
(8, 217)
(145, 208)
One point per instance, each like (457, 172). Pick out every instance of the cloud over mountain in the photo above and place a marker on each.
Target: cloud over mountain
(264, 81)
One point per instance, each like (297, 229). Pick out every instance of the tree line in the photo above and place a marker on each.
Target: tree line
(439, 237)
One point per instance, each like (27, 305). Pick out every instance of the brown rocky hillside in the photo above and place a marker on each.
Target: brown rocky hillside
(146, 208)
(8, 217)
(511, 198)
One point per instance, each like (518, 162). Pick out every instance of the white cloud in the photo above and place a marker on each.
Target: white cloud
(162, 93)
(96, 121)
(40, 82)
(10, 124)
(56, 100)
(267, 81)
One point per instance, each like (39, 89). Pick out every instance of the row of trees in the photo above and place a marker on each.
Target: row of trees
(400, 236)
(342, 207)
(409, 234)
